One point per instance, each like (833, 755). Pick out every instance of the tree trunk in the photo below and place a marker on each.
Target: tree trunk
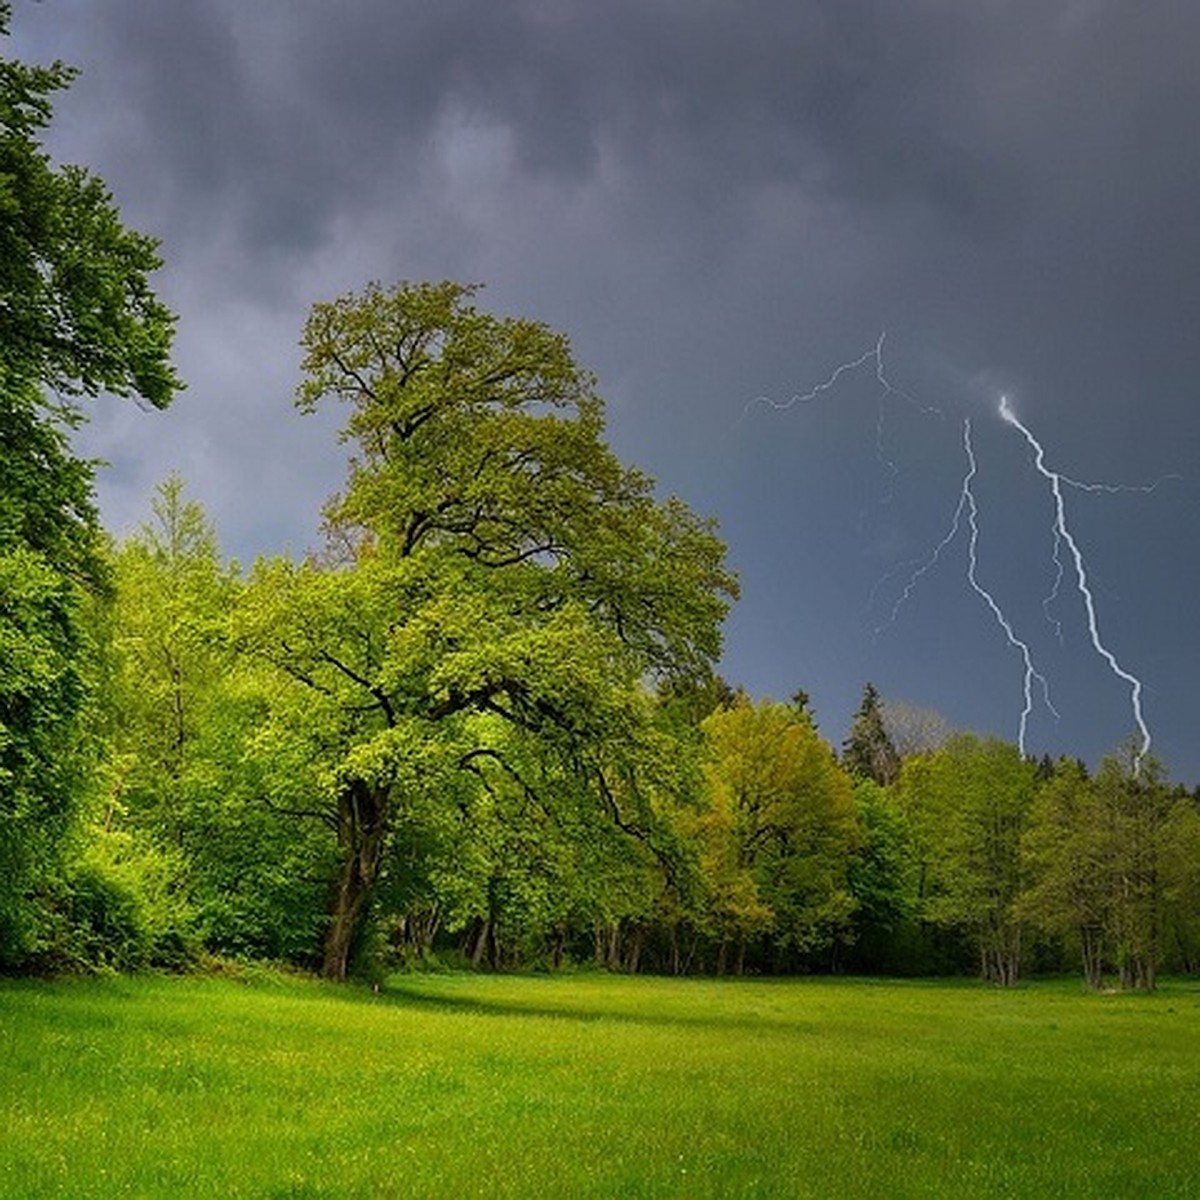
(693, 946)
(482, 936)
(634, 956)
(362, 833)
(1091, 941)
(1138, 973)
(1000, 955)
(612, 956)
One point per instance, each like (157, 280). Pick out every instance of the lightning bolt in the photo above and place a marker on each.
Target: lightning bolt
(1063, 536)
(966, 512)
(1060, 569)
(968, 508)
(886, 389)
(816, 392)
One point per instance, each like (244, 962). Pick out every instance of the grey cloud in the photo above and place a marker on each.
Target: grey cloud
(716, 201)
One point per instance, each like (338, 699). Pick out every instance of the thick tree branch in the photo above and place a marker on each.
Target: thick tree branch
(380, 695)
(325, 816)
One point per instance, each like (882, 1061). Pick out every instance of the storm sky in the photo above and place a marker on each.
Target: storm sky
(720, 203)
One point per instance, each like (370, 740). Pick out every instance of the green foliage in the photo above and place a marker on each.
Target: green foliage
(883, 880)
(1066, 849)
(1136, 821)
(498, 589)
(42, 686)
(480, 436)
(186, 773)
(48, 562)
(1181, 869)
(45, 745)
(119, 907)
(868, 750)
(516, 852)
(256, 877)
(502, 785)
(1114, 864)
(76, 316)
(99, 924)
(781, 829)
(968, 805)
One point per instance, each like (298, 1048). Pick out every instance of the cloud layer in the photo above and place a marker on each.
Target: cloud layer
(716, 202)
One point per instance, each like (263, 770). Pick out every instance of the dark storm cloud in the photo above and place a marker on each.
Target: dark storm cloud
(716, 201)
(281, 117)
(326, 103)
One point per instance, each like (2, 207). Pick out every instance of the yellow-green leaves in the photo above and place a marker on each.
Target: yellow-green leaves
(502, 590)
(780, 827)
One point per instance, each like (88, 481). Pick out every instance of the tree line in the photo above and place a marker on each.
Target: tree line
(484, 720)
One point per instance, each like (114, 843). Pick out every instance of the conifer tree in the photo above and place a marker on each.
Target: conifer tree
(868, 750)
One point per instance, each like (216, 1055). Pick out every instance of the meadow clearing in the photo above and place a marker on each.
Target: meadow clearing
(264, 1084)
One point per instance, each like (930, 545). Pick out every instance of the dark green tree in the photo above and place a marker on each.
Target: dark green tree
(77, 316)
(884, 934)
(76, 312)
(868, 750)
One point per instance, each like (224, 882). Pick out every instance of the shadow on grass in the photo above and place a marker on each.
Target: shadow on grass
(91, 1006)
(751, 1019)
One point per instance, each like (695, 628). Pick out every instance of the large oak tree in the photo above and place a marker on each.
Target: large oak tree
(490, 561)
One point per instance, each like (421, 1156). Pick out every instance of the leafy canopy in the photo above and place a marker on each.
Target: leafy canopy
(76, 311)
(498, 590)
(77, 316)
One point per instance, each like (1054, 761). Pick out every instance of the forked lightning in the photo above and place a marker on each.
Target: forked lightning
(1063, 535)
(967, 509)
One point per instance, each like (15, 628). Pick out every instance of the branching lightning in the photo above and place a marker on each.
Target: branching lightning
(816, 392)
(874, 355)
(968, 507)
(1060, 568)
(966, 512)
(1031, 672)
(1063, 536)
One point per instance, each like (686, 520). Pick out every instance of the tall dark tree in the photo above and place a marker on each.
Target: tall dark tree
(77, 313)
(77, 316)
(868, 751)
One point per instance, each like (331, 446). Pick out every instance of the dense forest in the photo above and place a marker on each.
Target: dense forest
(484, 723)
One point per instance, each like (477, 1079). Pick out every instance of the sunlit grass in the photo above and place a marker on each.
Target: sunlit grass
(594, 1085)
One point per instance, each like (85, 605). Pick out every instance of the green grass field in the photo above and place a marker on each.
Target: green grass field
(584, 1085)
